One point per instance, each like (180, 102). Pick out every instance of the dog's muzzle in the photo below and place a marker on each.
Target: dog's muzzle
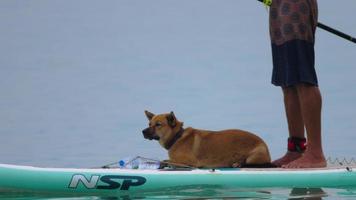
(148, 134)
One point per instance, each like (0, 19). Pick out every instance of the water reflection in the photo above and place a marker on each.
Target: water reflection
(307, 194)
(205, 192)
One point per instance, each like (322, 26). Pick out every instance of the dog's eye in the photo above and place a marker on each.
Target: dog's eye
(158, 124)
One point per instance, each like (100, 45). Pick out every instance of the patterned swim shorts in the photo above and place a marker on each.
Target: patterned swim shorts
(292, 30)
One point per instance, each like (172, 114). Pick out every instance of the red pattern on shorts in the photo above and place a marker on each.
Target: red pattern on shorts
(293, 19)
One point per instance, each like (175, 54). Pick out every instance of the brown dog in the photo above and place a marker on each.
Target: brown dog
(202, 148)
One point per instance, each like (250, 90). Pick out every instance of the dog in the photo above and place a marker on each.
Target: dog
(206, 149)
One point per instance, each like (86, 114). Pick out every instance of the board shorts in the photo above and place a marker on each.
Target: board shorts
(292, 31)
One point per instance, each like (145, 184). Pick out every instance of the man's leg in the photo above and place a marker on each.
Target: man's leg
(310, 103)
(295, 122)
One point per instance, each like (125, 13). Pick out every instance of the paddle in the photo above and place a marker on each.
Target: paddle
(322, 26)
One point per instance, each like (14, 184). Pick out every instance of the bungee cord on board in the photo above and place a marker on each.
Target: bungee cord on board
(163, 164)
(341, 161)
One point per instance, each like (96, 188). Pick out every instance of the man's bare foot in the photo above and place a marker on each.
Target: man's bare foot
(287, 158)
(308, 160)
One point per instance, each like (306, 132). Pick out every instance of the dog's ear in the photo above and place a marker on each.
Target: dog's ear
(171, 118)
(149, 115)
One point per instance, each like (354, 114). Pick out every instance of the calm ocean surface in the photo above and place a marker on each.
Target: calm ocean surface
(76, 77)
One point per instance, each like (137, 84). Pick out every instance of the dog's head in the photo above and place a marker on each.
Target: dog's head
(162, 127)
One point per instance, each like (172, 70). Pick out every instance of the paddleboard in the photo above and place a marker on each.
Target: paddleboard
(120, 181)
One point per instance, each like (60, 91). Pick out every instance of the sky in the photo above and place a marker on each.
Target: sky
(76, 76)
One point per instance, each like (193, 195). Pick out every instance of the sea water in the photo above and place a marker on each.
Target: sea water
(211, 193)
(76, 77)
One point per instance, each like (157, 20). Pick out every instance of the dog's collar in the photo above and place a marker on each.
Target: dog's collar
(174, 139)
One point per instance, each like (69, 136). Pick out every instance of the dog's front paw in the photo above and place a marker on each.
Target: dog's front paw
(236, 165)
(163, 164)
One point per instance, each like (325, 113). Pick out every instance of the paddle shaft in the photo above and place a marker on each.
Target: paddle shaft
(332, 30)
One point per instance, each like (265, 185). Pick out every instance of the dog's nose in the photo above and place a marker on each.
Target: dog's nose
(145, 131)
(147, 134)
